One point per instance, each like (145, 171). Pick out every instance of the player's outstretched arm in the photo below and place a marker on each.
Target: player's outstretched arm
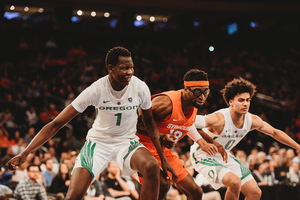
(154, 134)
(47, 132)
(264, 127)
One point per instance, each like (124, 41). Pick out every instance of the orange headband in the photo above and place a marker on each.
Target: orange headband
(196, 83)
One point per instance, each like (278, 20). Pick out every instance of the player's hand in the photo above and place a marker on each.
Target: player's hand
(15, 162)
(165, 165)
(168, 140)
(211, 149)
(223, 153)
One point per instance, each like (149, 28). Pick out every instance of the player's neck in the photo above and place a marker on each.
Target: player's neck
(115, 85)
(185, 105)
(237, 118)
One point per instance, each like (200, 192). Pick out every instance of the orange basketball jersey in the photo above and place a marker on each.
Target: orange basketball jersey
(176, 123)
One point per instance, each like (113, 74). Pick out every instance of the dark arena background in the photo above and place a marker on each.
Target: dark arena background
(52, 50)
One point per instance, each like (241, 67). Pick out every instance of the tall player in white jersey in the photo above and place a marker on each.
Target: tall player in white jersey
(117, 98)
(227, 127)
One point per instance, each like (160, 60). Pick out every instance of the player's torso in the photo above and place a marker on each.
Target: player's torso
(116, 117)
(177, 123)
(229, 135)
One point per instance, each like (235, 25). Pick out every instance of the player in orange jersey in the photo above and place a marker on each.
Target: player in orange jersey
(175, 113)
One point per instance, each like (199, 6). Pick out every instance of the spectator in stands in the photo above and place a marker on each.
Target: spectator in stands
(48, 174)
(55, 166)
(52, 152)
(297, 158)
(294, 172)
(242, 156)
(98, 191)
(290, 153)
(30, 188)
(32, 116)
(18, 147)
(30, 135)
(9, 155)
(257, 172)
(4, 141)
(61, 181)
(261, 156)
(52, 111)
(69, 163)
(276, 158)
(20, 101)
(116, 185)
(5, 192)
(14, 139)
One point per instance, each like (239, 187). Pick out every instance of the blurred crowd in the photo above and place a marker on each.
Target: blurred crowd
(40, 74)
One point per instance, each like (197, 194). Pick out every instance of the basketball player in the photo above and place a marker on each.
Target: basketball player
(227, 127)
(175, 113)
(116, 98)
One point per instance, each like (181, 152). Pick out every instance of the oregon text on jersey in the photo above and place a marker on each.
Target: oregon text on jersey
(118, 107)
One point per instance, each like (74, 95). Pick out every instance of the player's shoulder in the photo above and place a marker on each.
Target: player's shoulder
(256, 121)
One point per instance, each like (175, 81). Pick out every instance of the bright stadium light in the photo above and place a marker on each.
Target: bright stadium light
(26, 9)
(211, 48)
(139, 17)
(106, 14)
(152, 19)
(12, 7)
(79, 12)
(93, 14)
(165, 19)
(41, 10)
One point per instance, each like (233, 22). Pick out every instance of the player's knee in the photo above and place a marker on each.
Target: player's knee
(256, 194)
(234, 184)
(196, 194)
(152, 168)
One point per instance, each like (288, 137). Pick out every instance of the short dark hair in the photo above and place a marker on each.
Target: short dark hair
(195, 75)
(112, 56)
(237, 86)
(32, 165)
(256, 166)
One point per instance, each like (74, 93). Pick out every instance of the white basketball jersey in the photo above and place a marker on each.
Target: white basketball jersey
(116, 119)
(231, 135)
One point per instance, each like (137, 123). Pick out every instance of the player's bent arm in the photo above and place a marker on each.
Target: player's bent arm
(161, 107)
(214, 119)
(50, 129)
(211, 149)
(264, 127)
(220, 148)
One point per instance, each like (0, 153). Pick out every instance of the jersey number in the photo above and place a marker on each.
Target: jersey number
(229, 144)
(177, 133)
(119, 115)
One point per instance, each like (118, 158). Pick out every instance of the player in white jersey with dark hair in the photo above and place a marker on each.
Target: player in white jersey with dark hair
(227, 127)
(117, 98)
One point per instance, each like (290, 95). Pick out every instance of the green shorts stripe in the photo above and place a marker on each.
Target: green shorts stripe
(133, 144)
(86, 156)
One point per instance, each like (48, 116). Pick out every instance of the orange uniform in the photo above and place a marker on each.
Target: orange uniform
(176, 123)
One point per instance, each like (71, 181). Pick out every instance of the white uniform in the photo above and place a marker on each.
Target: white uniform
(213, 168)
(113, 134)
